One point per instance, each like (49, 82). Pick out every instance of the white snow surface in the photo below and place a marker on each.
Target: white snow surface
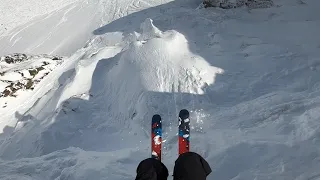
(58, 26)
(17, 12)
(250, 79)
(11, 76)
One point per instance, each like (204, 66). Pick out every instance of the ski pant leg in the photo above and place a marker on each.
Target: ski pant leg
(151, 169)
(191, 166)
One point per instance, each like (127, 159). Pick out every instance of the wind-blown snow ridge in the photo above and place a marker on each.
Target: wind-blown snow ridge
(152, 64)
(161, 62)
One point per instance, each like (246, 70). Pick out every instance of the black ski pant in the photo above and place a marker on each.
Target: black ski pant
(188, 166)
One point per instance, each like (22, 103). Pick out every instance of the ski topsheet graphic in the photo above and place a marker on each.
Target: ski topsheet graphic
(184, 131)
(156, 134)
(183, 135)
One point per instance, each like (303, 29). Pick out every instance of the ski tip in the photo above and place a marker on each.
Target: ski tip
(156, 117)
(184, 114)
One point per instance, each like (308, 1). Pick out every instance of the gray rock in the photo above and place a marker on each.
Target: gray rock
(228, 4)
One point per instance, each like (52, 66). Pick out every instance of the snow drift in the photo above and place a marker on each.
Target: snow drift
(157, 62)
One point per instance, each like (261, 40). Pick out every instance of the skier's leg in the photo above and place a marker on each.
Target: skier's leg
(151, 169)
(191, 166)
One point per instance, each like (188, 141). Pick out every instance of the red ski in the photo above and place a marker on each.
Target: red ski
(184, 131)
(156, 134)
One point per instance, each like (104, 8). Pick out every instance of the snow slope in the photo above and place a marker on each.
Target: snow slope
(16, 12)
(58, 27)
(249, 77)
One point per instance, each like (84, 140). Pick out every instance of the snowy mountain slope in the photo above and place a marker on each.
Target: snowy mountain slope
(35, 28)
(250, 78)
(21, 74)
(62, 31)
(16, 12)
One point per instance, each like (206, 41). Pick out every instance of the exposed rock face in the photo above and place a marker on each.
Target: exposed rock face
(24, 72)
(228, 4)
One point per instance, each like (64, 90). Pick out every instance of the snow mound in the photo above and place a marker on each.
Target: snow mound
(153, 64)
(149, 31)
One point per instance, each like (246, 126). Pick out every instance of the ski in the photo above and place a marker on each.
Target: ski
(184, 131)
(156, 134)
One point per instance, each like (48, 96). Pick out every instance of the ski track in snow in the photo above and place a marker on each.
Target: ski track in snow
(250, 79)
(16, 12)
(70, 27)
